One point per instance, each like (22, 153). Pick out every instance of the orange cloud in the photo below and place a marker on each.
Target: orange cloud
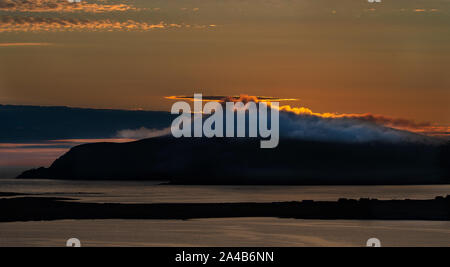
(85, 141)
(24, 44)
(240, 98)
(60, 6)
(36, 24)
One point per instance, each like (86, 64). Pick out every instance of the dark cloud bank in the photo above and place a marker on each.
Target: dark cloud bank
(35, 123)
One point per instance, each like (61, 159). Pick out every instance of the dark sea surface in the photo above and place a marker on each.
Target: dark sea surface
(157, 192)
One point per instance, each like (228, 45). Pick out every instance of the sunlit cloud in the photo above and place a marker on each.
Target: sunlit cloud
(195, 9)
(238, 98)
(426, 128)
(36, 24)
(61, 6)
(422, 10)
(96, 140)
(24, 44)
(22, 145)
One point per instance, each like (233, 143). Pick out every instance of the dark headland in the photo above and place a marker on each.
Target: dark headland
(46, 209)
(242, 161)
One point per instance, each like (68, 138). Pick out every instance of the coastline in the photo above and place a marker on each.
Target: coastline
(51, 208)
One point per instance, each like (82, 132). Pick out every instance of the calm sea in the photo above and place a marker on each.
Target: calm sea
(219, 232)
(155, 192)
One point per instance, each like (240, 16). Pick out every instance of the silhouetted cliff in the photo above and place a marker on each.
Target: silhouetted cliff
(242, 161)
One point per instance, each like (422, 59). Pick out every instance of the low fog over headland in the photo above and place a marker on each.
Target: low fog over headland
(314, 149)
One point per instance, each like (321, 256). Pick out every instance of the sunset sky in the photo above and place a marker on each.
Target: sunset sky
(344, 56)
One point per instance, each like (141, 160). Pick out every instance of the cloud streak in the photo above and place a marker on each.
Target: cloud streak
(61, 6)
(143, 133)
(36, 24)
(24, 44)
(241, 98)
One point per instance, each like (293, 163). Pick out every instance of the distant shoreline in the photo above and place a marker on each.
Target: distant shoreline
(22, 209)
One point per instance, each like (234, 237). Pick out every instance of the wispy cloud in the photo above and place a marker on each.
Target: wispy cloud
(37, 24)
(24, 44)
(239, 98)
(423, 10)
(61, 6)
(195, 9)
(143, 133)
(96, 140)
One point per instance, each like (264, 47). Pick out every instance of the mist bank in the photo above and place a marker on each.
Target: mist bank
(40, 123)
(242, 161)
